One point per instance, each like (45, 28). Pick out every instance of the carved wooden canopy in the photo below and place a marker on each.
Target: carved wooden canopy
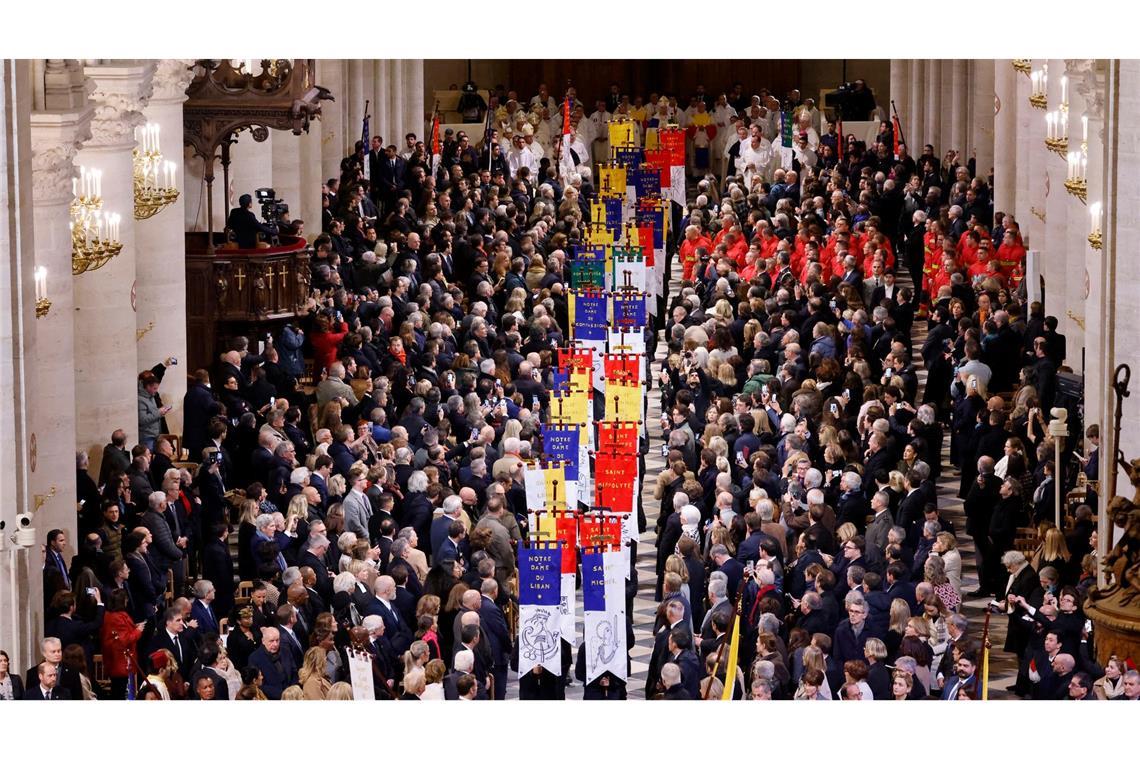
(224, 100)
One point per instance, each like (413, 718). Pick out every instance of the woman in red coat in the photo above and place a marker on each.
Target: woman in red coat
(119, 637)
(325, 341)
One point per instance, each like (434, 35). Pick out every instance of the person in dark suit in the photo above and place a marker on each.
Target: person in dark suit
(464, 666)
(375, 156)
(396, 629)
(46, 686)
(672, 679)
(1023, 583)
(681, 654)
(70, 630)
(674, 616)
(313, 556)
(278, 670)
(173, 637)
(492, 620)
(964, 678)
(983, 496)
(440, 525)
(218, 569)
(405, 601)
(202, 608)
(67, 680)
(453, 546)
(389, 177)
(293, 639)
(243, 223)
(208, 656)
(730, 566)
(851, 634)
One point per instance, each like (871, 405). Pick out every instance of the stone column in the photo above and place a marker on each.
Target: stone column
(355, 104)
(956, 92)
(160, 293)
(982, 115)
(394, 97)
(21, 577)
(1022, 139)
(1006, 102)
(914, 129)
(1031, 137)
(382, 122)
(932, 114)
(55, 139)
(309, 180)
(1087, 87)
(331, 74)
(106, 360)
(1054, 245)
(900, 87)
(415, 111)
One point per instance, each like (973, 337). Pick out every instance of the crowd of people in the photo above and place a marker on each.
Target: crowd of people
(364, 467)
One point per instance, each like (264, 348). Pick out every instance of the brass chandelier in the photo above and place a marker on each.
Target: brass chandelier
(94, 234)
(153, 178)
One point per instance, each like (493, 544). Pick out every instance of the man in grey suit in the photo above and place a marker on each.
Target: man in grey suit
(879, 527)
(357, 508)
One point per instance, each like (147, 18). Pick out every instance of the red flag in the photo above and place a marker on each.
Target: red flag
(897, 129)
(435, 136)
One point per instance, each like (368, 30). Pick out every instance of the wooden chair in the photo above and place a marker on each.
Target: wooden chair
(100, 677)
(1025, 541)
(168, 595)
(243, 593)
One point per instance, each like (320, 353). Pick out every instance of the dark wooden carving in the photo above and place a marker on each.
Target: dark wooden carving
(232, 292)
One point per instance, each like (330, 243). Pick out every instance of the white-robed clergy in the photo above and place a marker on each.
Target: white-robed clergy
(756, 157)
(519, 156)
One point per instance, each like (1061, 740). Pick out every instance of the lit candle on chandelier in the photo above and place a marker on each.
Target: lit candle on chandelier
(41, 283)
(1094, 214)
(1064, 125)
(1049, 125)
(1084, 167)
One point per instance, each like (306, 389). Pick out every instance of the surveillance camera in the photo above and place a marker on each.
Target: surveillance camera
(24, 535)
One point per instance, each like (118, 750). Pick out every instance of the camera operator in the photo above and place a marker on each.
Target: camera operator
(244, 224)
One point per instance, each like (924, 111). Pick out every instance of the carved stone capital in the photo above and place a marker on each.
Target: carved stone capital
(56, 138)
(120, 94)
(1088, 76)
(171, 78)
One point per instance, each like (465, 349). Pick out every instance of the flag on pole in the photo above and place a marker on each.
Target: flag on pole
(487, 136)
(897, 129)
(435, 148)
(566, 165)
(839, 144)
(364, 139)
(730, 669)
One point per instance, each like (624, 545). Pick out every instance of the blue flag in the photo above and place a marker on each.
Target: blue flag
(629, 311)
(562, 445)
(540, 576)
(593, 582)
